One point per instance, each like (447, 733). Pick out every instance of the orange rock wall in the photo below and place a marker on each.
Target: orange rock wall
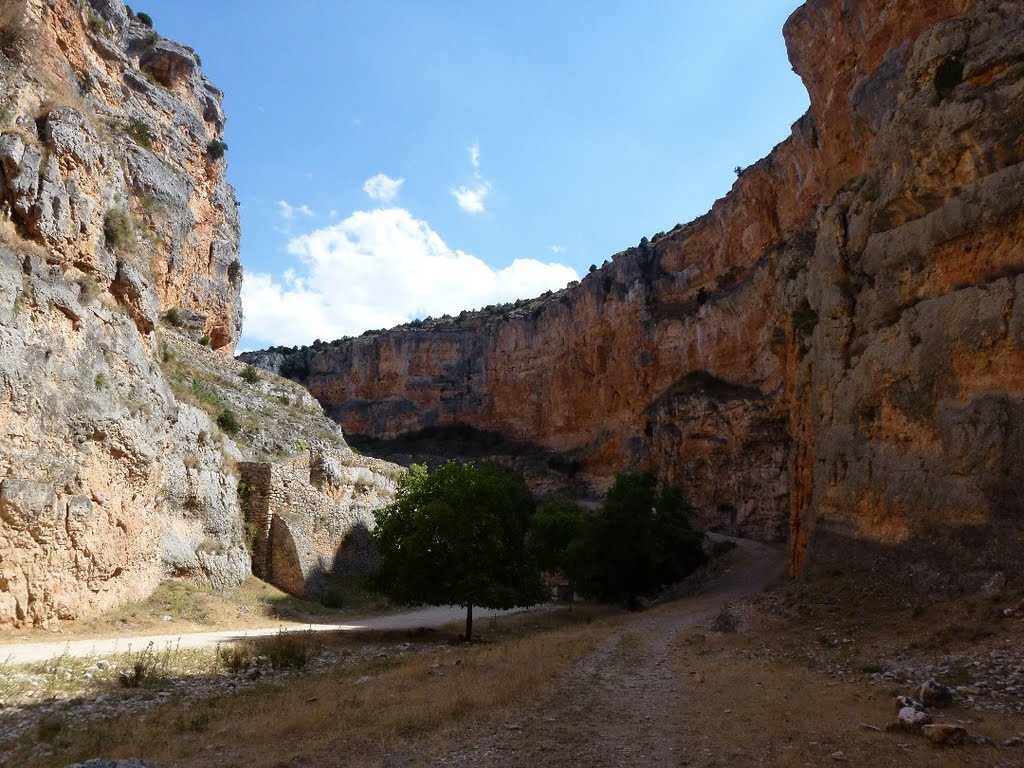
(830, 354)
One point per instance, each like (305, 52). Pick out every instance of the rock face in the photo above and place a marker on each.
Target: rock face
(117, 465)
(111, 214)
(832, 353)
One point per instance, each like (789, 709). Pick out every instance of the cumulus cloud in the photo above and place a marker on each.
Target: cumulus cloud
(378, 269)
(288, 211)
(471, 197)
(383, 188)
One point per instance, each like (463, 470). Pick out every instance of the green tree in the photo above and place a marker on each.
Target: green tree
(639, 542)
(457, 537)
(554, 528)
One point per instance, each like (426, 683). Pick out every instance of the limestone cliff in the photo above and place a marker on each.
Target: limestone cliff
(832, 353)
(115, 469)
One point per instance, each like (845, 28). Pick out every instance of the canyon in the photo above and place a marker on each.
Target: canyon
(830, 356)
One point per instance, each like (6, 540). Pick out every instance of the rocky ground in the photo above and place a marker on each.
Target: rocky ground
(801, 673)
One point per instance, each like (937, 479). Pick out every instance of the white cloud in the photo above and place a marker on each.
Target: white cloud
(378, 269)
(287, 211)
(383, 188)
(558, 250)
(471, 197)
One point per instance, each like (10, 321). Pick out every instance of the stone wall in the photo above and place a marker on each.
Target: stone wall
(309, 516)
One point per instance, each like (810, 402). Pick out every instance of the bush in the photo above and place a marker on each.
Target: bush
(101, 380)
(140, 133)
(145, 18)
(250, 374)
(13, 39)
(86, 83)
(334, 597)
(228, 421)
(119, 229)
(805, 319)
(234, 272)
(173, 317)
(638, 543)
(215, 149)
(288, 650)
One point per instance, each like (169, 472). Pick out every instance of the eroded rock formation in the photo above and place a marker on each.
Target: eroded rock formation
(832, 353)
(116, 464)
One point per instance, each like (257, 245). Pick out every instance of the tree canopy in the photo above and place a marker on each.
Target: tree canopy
(555, 526)
(639, 542)
(456, 537)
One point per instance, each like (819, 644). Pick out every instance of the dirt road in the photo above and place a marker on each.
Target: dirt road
(435, 616)
(615, 707)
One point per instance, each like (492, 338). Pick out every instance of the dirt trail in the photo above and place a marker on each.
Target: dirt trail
(23, 653)
(615, 707)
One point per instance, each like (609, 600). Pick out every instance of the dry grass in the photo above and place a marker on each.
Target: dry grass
(10, 237)
(802, 717)
(193, 608)
(358, 714)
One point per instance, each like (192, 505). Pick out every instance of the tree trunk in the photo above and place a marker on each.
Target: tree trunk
(469, 623)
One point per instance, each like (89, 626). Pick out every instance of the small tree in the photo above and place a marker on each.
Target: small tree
(557, 524)
(456, 537)
(639, 542)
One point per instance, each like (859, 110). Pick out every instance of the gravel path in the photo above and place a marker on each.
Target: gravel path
(616, 706)
(436, 616)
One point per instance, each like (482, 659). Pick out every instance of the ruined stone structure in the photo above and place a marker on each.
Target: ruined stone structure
(832, 354)
(309, 516)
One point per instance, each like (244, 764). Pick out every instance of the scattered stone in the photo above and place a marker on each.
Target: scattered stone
(698, 677)
(869, 727)
(913, 718)
(1013, 741)
(131, 763)
(933, 694)
(994, 586)
(907, 701)
(839, 756)
(945, 734)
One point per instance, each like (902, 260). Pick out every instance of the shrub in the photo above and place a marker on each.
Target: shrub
(804, 319)
(101, 380)
(139, 132)
(237, 657)
(204, 340)
(118, 229)
(334, 597)
(145, 18)
(738, 170)
(96, 24)
(86, 83)
(228, 421)
(173, 317)
(215, 149)
(250, 374)
(234, 272)
(288, 650)
(13, 39)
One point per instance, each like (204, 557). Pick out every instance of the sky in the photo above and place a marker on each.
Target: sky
(397, 159)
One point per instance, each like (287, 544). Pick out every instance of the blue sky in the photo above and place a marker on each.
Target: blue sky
(397, 159)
